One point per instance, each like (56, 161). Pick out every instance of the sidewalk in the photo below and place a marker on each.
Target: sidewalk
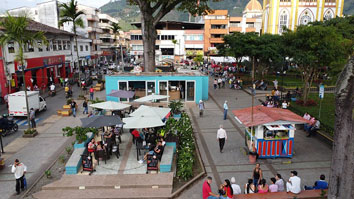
(312, 157)
(40, 152)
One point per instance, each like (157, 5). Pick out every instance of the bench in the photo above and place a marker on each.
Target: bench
(310, 194)
(167, 159)
(74, 163)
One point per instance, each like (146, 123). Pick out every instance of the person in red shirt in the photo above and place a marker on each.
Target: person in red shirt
(91, 93)
(207, 193)
(135, 134)
(228, 189)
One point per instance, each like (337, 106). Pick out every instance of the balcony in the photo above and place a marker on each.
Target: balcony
(251, 29)
(91, 29)
(92, 17)
(219, 22)
(107, 36)
(216, 40)
(218, 31)
(235, 29)
(97, 41)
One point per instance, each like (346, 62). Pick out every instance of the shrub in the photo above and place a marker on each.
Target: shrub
(80, 133)
(68, 149)
(30, 131)
(176, 106)
(48, 173)
(310, 102)
(62, 159)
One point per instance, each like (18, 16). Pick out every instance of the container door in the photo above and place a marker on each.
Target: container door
(123, 85)
(163, 89)
(150, 87)
(190, 91)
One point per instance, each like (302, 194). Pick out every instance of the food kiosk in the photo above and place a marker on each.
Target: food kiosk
(270, 131)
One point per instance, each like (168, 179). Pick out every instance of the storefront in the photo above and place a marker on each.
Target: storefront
(189, 87)
(270, 131)
(42, 71)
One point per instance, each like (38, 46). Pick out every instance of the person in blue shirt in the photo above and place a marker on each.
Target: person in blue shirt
(319, 184)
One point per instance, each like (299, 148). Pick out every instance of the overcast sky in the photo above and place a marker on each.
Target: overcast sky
(10, 4)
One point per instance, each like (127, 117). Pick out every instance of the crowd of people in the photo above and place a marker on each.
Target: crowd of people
(258, 184)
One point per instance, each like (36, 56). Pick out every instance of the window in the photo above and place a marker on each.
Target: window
(11, 47)
(55, 46)
(69, 45)
(167, 37)
(136, 37)
(81, 48)
(218, 26)
(47, 48)
(64, 45)
(217, 35)
(249, 24)
(328, 15)
(40, 48)
(59, 45)
(86, 48)
(29, 48)
(167, 51)
(75, 48)
(157, 47)
(137, 47)
(194, 37)
(235, 24)
(283, 22)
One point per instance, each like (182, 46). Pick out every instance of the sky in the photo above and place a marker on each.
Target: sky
(10, 4)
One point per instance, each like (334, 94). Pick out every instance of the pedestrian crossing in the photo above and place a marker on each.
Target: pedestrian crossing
(23, 121)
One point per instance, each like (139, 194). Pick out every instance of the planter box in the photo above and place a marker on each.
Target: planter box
(2, 163)
(82, 145)
(59, 112)
(177, 115)
(30, 135)
(172, 144)
(66, 107)
(66, 112)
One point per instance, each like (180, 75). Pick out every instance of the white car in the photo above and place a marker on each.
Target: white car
(112, 66)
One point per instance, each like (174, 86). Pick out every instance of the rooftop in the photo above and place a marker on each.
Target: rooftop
(182, 73)
(174, 25)
(264, 115)
(253, 5)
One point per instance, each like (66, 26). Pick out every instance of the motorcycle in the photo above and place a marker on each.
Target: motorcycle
(52, 93)
(8, 126)
(68, 94)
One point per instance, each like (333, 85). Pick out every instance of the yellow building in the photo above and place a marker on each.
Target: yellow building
(291, 13)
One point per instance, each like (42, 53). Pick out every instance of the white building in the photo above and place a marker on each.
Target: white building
(109, 47)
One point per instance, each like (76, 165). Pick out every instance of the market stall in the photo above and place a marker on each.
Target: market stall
(270, 131)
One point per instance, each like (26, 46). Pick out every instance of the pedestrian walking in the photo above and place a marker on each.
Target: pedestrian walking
(85, 105)
(219, 82)
(73, 107)
(19, 169)
(226, 107)
(201, 107)
(221, 136)
(91, 93)
(33, 118)
(215, 83)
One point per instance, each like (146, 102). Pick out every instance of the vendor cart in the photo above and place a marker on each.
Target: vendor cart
(270, 131)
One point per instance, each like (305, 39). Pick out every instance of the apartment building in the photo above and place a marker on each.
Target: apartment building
(109, 46)
(48, 13)
(43, 63)
(175, 41)
(219, 23)
(291, 13)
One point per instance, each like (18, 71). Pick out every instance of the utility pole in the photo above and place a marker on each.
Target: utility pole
(25, 87)
(253, 93)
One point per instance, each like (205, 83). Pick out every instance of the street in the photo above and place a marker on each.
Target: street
(53, 104)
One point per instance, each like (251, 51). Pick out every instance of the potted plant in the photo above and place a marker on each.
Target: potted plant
(176, 108)
(30, 133)
(82, 135)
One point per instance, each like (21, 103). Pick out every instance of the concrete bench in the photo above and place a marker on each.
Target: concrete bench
(167, 159)
(74, 163)
(310, 194)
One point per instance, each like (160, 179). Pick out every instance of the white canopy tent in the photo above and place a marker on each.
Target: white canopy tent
(152, 97)
(149, 111)
(110, 105)
(140, 122)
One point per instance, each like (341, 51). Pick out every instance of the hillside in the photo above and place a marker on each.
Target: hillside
(128, 13)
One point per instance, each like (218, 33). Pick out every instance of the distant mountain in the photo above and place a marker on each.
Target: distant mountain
(128, 13)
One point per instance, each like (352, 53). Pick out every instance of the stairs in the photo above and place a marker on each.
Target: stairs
(109, 186)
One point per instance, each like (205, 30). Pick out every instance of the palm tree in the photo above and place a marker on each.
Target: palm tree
(115, 29)
(16, 31)
(69, 13)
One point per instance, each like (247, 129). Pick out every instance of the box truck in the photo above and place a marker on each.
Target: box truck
(17, 103)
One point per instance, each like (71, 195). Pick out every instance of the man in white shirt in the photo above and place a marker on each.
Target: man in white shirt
(294, 184)
(275, 82)
(235, 187)
(222, 137)
(19, 169)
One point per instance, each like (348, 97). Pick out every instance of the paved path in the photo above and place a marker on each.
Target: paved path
(40, 152)
(312, 157)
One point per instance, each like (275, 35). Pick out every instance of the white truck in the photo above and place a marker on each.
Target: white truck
(17, 103)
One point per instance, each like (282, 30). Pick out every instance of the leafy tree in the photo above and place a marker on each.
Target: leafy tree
(312, 48)
(198, 59)
(115, 29)
(69, 13)
(152, 11)
(16, 30)
(341, 184)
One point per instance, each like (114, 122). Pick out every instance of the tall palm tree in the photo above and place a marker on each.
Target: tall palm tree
(15, 30)
(69, 13)
(115, 29)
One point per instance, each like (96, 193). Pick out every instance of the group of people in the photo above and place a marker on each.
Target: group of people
(257, 184)
(312, 126)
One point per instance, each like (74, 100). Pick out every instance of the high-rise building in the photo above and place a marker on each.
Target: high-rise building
(278, 14)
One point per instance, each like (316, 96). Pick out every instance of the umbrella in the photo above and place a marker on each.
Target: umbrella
(110, 105)
(151, 98)
(149, 111)
(100, 121)
(140, 122)
(121, 94)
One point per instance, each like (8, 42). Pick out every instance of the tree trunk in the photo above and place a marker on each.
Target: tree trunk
(149, 38)
(21, 62)
(78, 57)
(341, 183)
(307, 81)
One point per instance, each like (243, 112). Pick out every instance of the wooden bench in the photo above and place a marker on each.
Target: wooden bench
(167, 159)
(283, 195)
(74, 163)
